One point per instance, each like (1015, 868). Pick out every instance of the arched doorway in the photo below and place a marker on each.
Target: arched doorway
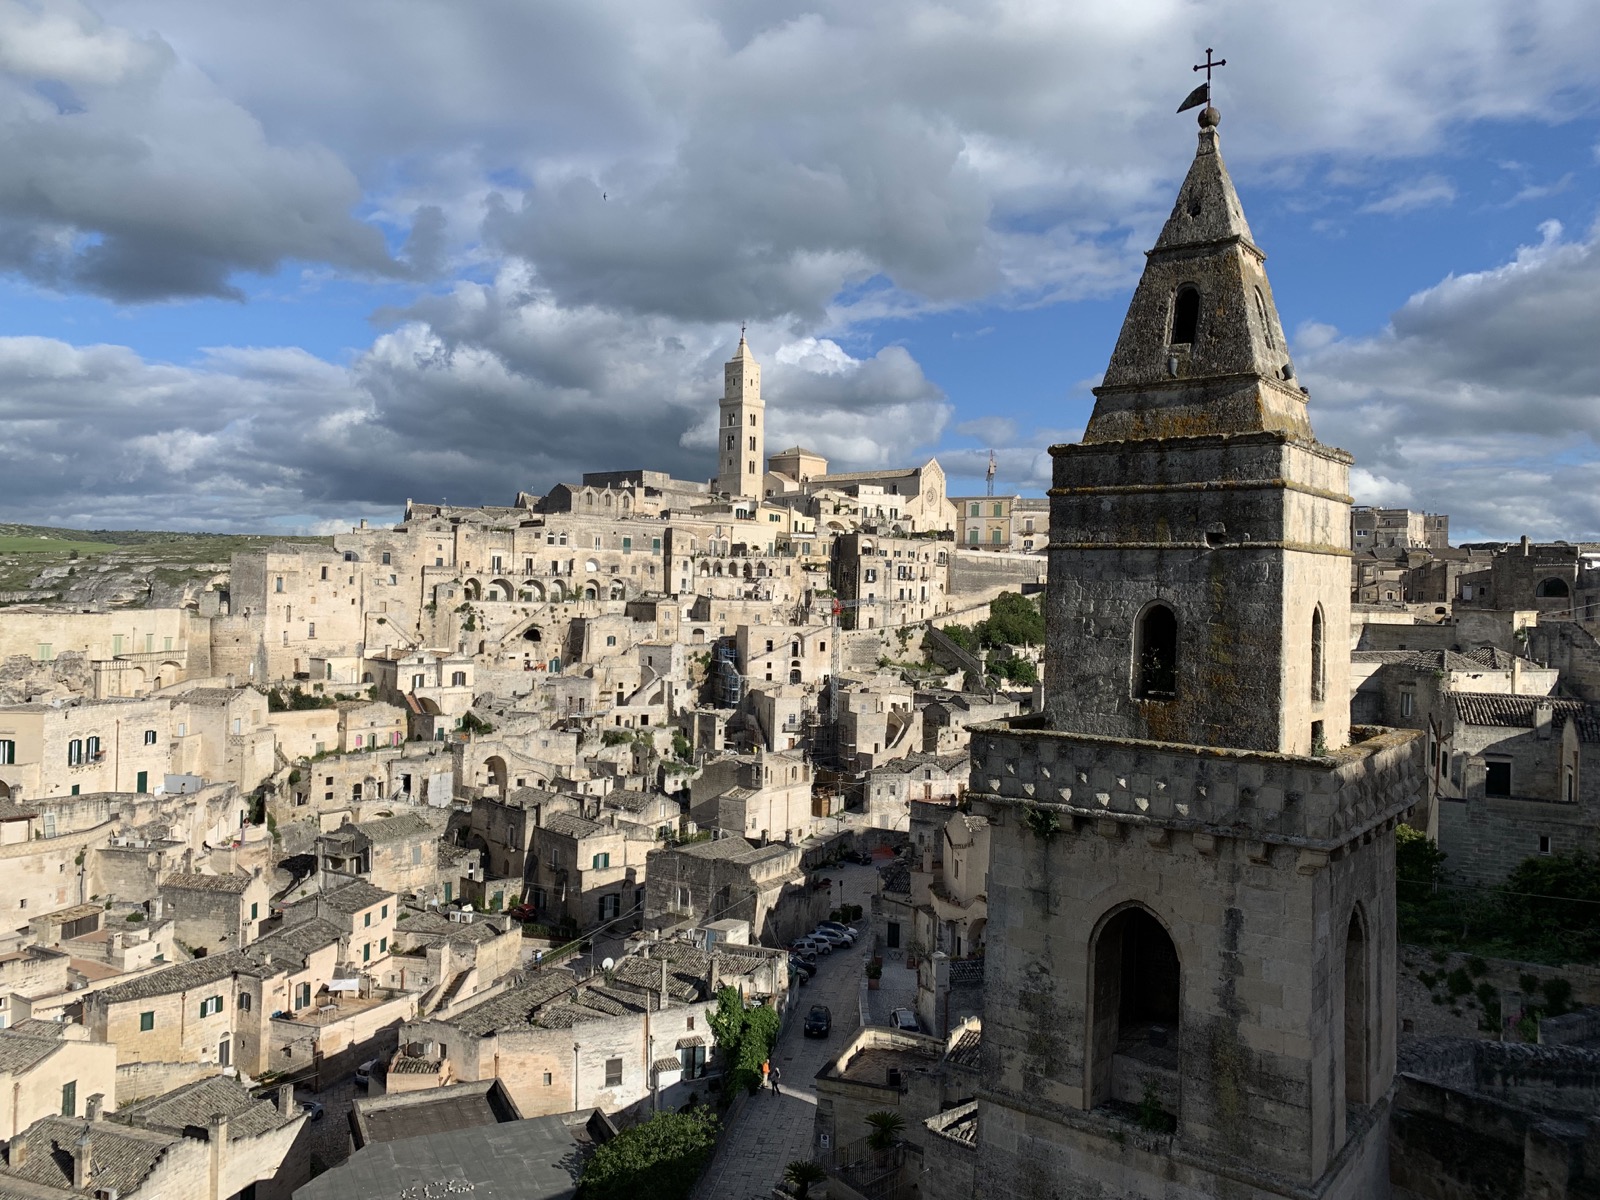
(1155, 654)
(1135, 994)
(496, 767)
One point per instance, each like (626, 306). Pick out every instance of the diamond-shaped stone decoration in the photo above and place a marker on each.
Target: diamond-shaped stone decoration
(1104, 798)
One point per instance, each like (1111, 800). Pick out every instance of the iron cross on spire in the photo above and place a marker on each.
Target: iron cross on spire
(1202, 94)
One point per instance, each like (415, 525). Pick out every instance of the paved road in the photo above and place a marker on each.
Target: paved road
(772, 1131)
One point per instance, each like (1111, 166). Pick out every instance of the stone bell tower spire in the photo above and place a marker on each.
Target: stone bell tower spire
(741, 425)
(1199, 558)
(1190, 962)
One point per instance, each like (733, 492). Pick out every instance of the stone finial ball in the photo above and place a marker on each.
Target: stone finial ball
(1210, 118)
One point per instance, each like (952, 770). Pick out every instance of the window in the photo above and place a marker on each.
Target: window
(972, 536)
(601, 862)
(1357, 1054)
(386, 558)
(8, 752)
(416, 856)
(149, 737)
(610, 907)
(1156, 655)
(255, 909)
(244, 1001)
(324, 572)
(1553, 589)
(974, 510)
(1544, 843)
(1266, 320)
(1136, 993)
(999, 510)
(383, 912)
(311, 629)
(1318, 680)
(210, 1006)
(1408, 701)
(278, 584)
(383, 945)
(69, 1099)
(627, 545)
(418, 681)
(1497, 777)
(611, 639)
(302, 995)
(1185, 315)
(366, 952)
(613, 1072)
(75, 753)
(366, 919)
(994, 536)
(693, 1061)
(147, 1022)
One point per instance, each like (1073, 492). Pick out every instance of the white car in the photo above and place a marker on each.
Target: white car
(832, 936)
(905, 1020)
(850, 934)
(815, 944)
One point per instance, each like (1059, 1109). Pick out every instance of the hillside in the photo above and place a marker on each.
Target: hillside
(131, 568)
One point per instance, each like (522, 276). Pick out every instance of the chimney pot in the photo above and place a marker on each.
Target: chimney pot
(82, 1163)
(92, 1106)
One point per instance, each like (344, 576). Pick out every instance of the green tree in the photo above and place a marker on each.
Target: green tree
(745, 1037)
(965, 636)
(1014, 620)
(657, 1160)
(1553, 903)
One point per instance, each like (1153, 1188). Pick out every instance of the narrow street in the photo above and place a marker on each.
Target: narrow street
(772, 1131)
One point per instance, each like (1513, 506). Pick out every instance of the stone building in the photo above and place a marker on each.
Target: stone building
(884, 582)
(892, 786)
(1001, 522)
(51, 1069)
(1397, 528)
(206, 1141)
(397, 854)
(762, 796)
(729, 879)
(214, 913)
(1197, 908)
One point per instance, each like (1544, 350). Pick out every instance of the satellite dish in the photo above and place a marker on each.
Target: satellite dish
(607, 964)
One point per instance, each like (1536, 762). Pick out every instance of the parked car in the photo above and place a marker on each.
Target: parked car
(858, 856)
(805, 952)
(819, 1021)
(849, 933)
(521, 912)
(799, 966)
(815, 944)
(364, 1072)
(832, 936)
(904, 1019)
(312, 1109)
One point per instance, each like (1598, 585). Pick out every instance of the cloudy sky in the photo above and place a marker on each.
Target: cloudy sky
(285, 266)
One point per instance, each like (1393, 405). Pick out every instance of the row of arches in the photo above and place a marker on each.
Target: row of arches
(536, 591)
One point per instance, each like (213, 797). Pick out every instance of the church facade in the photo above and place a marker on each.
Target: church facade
(1191, 945)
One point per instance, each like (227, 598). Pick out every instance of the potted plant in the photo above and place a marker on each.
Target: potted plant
(886, 1128)
(800, 1175)
(874, 975)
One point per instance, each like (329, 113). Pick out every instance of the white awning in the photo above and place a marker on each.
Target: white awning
(344, 985)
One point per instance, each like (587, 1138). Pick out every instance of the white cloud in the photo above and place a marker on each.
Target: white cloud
(1427, 192)
(1482, 397)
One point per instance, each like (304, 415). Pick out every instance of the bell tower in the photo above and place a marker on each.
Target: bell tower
(1199, 556)
(1190, 968)
(741, 426)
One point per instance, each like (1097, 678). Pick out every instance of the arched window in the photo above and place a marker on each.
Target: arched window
(1185, 315)
(1356, 1051)
(1136, 994)
(1266, 320)
(1553, 589)
(1318, 678)
(1155, 664)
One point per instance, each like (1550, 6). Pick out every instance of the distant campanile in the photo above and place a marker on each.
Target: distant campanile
(742, 430)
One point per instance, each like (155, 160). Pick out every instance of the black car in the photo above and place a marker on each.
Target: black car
(801, 967)
(858, 856)
(819, 1021)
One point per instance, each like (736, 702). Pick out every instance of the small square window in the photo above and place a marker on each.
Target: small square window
(147, 1022)
(1544, 843)
(613, 1072)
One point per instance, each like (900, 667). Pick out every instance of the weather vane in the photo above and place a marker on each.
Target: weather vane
(1202, 94)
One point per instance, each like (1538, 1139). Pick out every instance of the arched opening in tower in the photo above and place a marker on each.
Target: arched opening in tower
(1355, 1013)
(1318, 671)
(1156, 655)
(1185, 316)
(1136, 990)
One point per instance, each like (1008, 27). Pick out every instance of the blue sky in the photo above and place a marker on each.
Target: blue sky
(287, 273)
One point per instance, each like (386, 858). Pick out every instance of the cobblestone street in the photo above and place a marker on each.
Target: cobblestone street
(771, 1131)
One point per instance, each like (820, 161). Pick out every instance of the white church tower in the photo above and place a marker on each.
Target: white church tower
(742, 428)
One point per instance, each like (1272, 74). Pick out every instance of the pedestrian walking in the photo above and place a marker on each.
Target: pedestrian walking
(766, 1073)
(776, 1076)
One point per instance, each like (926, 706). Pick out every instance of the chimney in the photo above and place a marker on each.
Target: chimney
(217, 1131)
(92, 1106)
(82, 1163)
(1525, 545)
(1516, 674)
(1543, 712)
(16, 1153)
(666, 997)
(286, 1100)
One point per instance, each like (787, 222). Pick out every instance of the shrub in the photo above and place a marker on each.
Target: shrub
(659, 1159)
(886, 1128)
(1458, 982)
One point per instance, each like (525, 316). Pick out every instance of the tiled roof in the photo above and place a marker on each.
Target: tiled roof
(196, 1103)
(180, 977)
(570, 825)
(193, 881)
(959, 1124)
(353, 897)
(209, 697)
(122, 1158)
(291, 942)
(896, 877)
(16, 812)
(20, 1051)
(964, 1053)
(1517, 712)
(517, 1007)
(405, 1065)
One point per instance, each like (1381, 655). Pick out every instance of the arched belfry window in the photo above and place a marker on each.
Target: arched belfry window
(1136, 996)
(1185, 315)
(1155, 655)
(1318, 675)
(1553, 589)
